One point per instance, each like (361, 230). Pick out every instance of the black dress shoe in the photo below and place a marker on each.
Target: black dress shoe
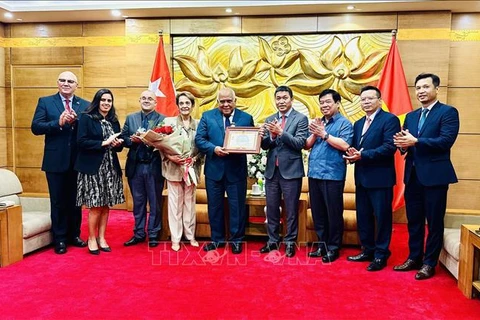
(425, 272)
(408, 266)
(78, 242)
(213, 246)
(377, 265)
(133, 241)
(236, 247)
(320, 252)
(290, 250)
(153, 243)
(331, 256)
(361, 257)
(270, 246)
(60, 248)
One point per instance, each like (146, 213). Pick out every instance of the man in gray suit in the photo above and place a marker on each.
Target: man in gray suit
(144, 171)
(285, 139)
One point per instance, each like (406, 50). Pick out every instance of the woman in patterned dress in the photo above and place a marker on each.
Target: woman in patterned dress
(99, 174)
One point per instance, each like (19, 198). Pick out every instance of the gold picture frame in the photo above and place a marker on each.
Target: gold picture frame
(242, 140)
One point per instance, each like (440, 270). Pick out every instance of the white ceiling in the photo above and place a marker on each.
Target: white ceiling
(53, 11)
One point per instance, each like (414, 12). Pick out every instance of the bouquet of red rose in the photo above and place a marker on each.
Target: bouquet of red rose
(163, 138)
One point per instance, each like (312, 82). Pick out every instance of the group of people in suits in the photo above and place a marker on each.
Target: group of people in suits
(426, 139)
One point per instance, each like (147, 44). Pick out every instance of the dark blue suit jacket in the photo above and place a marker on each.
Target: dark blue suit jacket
(431, 154)
(376, 168)
(211, 133)
(132, 123)
(90, 150)
(60, 148)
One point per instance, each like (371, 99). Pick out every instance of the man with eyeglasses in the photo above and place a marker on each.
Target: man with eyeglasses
(224, 171)
(56, 117)
(330, 137)
(143, 170)
(372, 152)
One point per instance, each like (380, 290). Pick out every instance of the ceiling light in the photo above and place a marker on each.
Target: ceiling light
(351, 7)
(19, 19)
(116, 13)
(228, 10)
(8, 15)
(125, 17)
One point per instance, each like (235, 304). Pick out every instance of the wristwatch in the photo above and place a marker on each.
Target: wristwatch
(326, 136)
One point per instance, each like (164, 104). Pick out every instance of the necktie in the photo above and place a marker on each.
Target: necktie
(227, 122)
(145, 122)
(284, 120)
(67, 106)
(423, 116)
(368, 121)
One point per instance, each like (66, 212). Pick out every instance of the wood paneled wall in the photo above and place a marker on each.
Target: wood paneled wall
(425, 43)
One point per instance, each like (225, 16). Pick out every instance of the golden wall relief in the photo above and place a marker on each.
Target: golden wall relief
(255, 65)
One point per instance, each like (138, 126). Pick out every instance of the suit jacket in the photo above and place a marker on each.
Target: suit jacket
(287, 147)
(431, 154)
(210, 134)
(376, 168)
(90, 150)
(132, 123)
(60, 148)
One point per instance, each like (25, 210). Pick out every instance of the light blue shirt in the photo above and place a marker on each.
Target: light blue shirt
(325, 162)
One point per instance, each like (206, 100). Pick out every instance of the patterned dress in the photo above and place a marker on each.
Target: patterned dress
(104, 188)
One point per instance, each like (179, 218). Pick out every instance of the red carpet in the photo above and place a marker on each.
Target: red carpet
(137, 284)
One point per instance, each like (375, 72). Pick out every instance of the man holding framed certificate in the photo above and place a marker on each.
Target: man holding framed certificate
(225, 171)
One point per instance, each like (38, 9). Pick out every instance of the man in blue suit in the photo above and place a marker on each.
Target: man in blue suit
(373, 152)
(143, 170)
(287, 133)
(224, 171)
(56, 117)
(427, 137)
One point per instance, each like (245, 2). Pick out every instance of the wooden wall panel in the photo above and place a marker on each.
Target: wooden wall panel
(33, 180)
(25, 101)
(47, 56)
(140, 59)
(104, 67)
(47, 30)
(43, 76)
(424, 20)
(29, 148)
(464, 195)
(206, 26)
(103, 29)
(425, 56)
(3, 111)
(466, 101)
(3, 147)
(465, 155)
(2, 67)
(357, 22)
(464, 71)
(278, 25)
(146, 26)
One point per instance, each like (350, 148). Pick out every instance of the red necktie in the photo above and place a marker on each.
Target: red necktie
(67, 106)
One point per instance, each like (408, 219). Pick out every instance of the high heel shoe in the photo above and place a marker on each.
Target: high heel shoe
(94, 252)
(104, 249)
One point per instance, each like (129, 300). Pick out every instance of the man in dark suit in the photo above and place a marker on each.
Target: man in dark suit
(224, 172)
(143, 170)
(287, 132)
(373, 152)
(56, 117)
(428, 135)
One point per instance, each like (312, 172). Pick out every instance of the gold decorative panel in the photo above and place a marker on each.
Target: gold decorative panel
(255, 65)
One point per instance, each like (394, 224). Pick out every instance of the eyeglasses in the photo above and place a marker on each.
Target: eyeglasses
(228, 101)
(147, 99)
(65, 80)
(368, 99)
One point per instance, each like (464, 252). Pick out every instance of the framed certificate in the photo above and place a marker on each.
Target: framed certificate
(242, 140)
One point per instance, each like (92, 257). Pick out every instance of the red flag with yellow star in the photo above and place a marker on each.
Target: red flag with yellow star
(161, 83)
(396, 99)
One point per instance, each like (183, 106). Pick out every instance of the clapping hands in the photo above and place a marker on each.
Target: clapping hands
(113, 141)
(67, 117)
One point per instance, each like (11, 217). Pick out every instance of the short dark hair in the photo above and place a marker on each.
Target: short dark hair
(284, 89)
(366, 88)
(435, 78)
(186, 94)
(335, 95)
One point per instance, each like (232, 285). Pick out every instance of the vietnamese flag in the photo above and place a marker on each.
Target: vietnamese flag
(162, 85)
(396, 99)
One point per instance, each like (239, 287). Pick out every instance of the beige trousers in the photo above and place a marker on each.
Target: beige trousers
(181, 210)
